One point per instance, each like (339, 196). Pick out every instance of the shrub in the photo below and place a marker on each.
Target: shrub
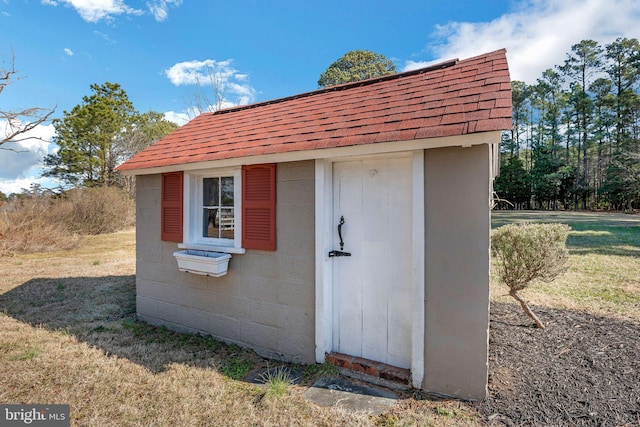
(32, 224)
(99, 210)
(41, 223)
(528, 252)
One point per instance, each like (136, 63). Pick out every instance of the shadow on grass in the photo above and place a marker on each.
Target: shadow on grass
(100, 311)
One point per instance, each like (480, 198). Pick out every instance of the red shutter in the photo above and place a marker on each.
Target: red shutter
(171, 207)
(259, 207)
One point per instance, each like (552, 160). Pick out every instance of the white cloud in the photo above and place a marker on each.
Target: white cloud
(23, 165)
(96, 10)
(414, 65)
(160, 8)
(199, 72)
(537, 33)
(19, 184)
(177, 118)
(233, 88)
(68, 51)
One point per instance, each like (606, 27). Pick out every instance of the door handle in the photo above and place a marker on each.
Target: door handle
(340, 252)
(340, 231)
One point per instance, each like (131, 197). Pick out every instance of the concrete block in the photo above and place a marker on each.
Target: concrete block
(197, 320)
(224, 327)
(147, 270)
(295, 170)
(257, 335)
(259, 288)
(297, 339)
(148, 198)
(296, 218)
(159, 291)
(160, 310)
(266, 313)
(232, 306)
(294, 294)
(280, 267)
(148, 181)
(296, 192)
(146, 252)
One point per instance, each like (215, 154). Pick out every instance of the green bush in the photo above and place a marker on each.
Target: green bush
(528, 252)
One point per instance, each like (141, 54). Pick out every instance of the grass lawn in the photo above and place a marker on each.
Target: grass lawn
(604, 264)
(68, 335)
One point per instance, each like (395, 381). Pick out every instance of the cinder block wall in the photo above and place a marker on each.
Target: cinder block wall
(266, 300)
(457, 227)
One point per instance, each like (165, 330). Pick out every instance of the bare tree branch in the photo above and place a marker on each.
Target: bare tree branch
(16, 126)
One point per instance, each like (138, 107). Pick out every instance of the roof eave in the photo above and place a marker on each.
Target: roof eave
(467, 140)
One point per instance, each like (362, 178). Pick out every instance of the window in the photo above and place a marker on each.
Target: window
(226, 210)
(218, 208)
(213, 201)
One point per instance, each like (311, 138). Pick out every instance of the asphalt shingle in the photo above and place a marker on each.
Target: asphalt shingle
(452, 98)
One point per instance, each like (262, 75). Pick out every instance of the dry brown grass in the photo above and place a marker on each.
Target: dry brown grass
(42, 223)
(68, 335)
(34, 225)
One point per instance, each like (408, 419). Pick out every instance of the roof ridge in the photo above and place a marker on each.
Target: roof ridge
(433, 67)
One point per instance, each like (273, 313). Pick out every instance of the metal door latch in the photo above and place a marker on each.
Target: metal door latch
(340, 252)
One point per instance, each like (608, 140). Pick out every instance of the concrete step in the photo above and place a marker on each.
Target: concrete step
(330, 391)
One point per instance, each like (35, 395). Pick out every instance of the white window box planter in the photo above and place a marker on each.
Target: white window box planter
(207, 263)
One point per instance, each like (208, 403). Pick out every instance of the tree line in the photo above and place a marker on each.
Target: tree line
(93, 138)
(99, 134)
(575, 137)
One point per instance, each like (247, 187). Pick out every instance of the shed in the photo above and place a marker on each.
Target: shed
(349, 224)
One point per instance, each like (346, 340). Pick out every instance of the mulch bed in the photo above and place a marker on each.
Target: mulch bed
(582, 370)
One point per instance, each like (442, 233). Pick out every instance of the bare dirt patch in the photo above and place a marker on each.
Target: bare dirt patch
(583, 370)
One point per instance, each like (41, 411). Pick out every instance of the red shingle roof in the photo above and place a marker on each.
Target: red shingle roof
(448, 99)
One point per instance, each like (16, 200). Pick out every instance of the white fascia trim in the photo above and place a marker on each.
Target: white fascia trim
(324, 272)
(213, 248)
(327, 153)
(418, 264)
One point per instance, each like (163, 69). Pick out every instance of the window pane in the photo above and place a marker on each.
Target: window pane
(211, 223)
(210, 191)
(226, 223)
(218, 208)
(227, 191)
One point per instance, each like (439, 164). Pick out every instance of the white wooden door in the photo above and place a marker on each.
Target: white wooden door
(372, 288)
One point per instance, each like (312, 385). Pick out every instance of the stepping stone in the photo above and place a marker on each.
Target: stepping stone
(355, 397)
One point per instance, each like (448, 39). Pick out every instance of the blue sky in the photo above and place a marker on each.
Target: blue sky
(155, 49)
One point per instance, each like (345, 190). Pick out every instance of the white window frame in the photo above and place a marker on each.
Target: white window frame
(192, 221)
